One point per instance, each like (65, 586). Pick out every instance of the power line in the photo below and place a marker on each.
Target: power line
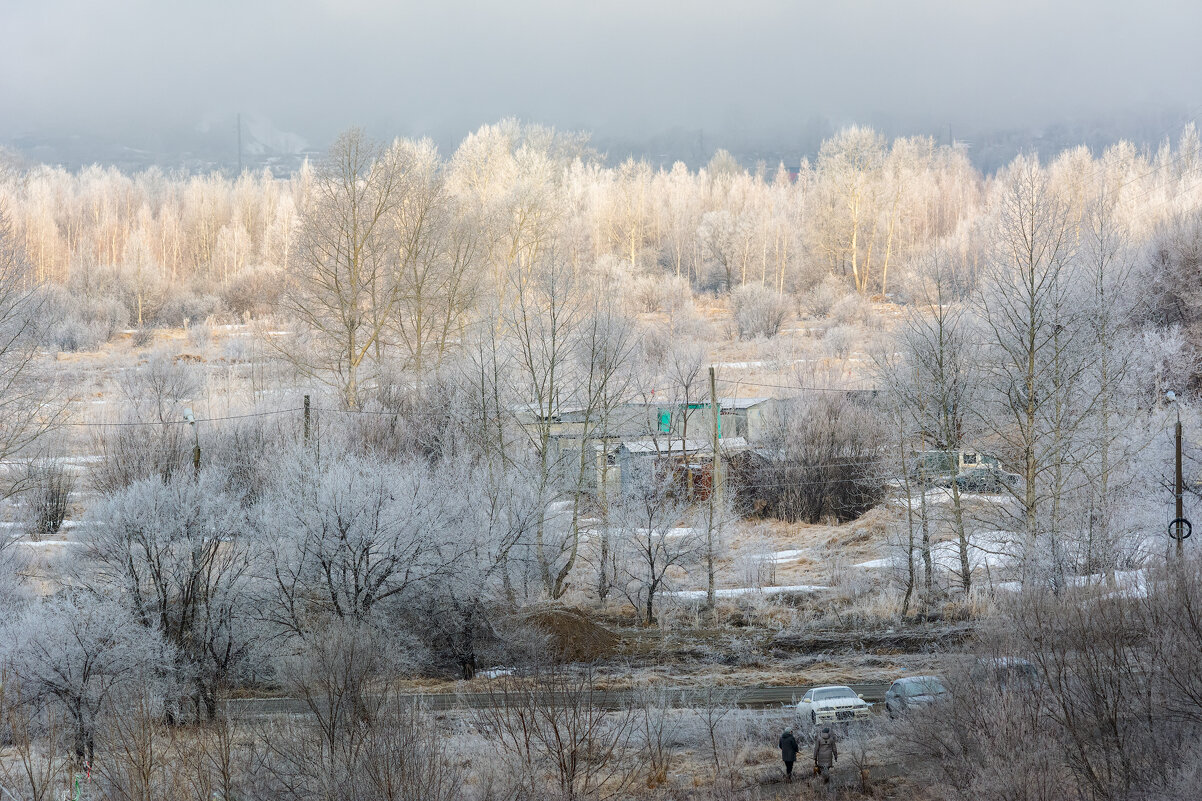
(159, 424)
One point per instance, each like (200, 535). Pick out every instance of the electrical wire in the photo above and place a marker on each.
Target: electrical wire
(159, 424)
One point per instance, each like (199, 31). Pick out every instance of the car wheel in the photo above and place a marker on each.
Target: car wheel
(892, 714)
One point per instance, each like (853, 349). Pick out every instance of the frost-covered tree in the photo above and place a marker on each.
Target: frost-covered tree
(30, 402)
(341, 291)
(654, 538)
(935, 387)
(85, 655)
(1033, 359)
(496, 516)
(439, 247)
(180, 556)
(351, 537)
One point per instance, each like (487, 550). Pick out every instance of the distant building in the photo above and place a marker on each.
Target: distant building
(686, 462)
(749, 418)
(634, 438)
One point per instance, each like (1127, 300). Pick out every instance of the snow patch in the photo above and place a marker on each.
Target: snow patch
(739, 592)
(494, 673)
(874, 564)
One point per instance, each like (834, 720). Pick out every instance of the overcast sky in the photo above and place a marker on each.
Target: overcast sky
(619, 67)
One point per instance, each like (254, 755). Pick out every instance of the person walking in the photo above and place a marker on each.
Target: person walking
(826, 753)
(788, 752)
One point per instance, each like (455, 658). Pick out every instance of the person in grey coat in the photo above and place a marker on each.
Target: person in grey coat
(788, 752)
(826, 752)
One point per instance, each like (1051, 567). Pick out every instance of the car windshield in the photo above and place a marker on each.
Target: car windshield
(1018, 672)
(924, 686)
(831, 693)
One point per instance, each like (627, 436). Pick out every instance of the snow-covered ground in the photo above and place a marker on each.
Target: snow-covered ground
(739, 592)
(1127, 583)
(992, 549)
(942, 495)
(880, 564)
(11, 524)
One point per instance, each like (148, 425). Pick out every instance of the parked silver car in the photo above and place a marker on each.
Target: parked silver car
(986, 479)
(914, 691)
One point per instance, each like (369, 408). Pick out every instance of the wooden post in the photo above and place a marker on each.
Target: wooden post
(306, 421)
(715, 490)
(1179, 491)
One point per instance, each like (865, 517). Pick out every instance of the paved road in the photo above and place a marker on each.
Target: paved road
(751, 697)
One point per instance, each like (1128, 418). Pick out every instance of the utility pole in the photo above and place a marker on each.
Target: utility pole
(1180, 528)
(1179, 490)
(306, 421)
(190, 418)
(715, 490)
(239, 144)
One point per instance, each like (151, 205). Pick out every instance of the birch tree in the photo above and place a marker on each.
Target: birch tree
(31, 404)
(943, 395)
(340, 292)
(1030, 361)
(543, 324)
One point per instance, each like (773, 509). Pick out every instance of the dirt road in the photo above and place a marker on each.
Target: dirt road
(750, 697)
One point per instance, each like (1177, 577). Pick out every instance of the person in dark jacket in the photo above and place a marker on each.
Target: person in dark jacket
(788, 752)
(826, 752)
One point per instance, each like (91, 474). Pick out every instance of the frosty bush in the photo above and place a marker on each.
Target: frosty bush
(839, 341)
(183, 308)
(852, 309)
(200, 334)
(758, 311)
(254, 292)
(72, 334)
(823, 297)
(49, 495)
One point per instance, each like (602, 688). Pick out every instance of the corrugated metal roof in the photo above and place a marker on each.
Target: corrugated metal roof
(740, 403)
(666, 446)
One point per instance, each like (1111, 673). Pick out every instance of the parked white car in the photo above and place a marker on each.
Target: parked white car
(833, 704)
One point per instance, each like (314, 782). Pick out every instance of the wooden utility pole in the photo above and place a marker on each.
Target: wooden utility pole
(306, 421)
(715, 496)
(195, 450)
(1179, 489)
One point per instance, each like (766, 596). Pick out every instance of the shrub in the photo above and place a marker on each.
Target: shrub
(824, 462)
(839, 341)
(758, 311)
(184, 308)
(200, 334)
(254, 292)
(822, 298)
(852, 309)
(74, 322)
(49, 488)
(71, 334)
